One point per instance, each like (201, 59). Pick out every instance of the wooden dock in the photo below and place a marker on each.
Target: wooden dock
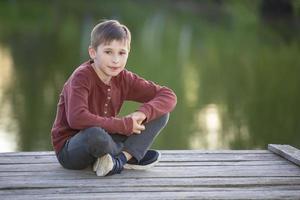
(182, 174)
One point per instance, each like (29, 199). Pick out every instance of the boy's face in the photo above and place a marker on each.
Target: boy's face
(110, 59)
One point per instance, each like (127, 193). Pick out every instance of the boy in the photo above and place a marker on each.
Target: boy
(87, 130)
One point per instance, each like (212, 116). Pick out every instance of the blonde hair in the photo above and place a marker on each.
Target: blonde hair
(109, 30)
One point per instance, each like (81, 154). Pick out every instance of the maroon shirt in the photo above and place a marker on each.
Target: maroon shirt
(86, 101)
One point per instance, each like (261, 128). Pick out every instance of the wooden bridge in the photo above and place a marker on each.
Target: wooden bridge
(182, 174)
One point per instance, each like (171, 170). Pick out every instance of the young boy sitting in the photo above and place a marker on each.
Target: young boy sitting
(87, 130)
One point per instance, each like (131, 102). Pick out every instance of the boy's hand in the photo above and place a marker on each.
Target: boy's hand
(138, 118)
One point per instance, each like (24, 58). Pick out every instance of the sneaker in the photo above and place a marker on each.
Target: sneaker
(108, 165)
(150, 159)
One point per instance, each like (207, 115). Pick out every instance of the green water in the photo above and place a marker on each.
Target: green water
(234, 67)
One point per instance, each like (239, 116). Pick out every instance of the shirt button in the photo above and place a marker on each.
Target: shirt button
(106, 105)
(105, 112)
(108, 89)
(108, 97)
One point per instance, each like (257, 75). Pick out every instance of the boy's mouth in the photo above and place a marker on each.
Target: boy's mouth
(113, 68)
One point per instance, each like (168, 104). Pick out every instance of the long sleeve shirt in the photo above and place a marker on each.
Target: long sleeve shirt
(85, 101)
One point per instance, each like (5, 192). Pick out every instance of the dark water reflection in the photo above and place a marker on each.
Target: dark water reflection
(233, 65)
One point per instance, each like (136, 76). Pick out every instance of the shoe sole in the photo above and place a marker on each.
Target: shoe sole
(96, 164)
(143, 167)
(103, 165)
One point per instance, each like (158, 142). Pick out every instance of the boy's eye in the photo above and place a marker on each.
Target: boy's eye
(107, 52)
(122, 53)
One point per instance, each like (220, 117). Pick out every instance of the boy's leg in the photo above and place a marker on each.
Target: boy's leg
(138, 144)
(86, 146)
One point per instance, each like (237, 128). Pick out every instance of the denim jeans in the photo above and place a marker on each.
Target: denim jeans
(86, 146)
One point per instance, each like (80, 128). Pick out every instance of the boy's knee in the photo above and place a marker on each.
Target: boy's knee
(162, 121)
(96, 136)
(99, 142)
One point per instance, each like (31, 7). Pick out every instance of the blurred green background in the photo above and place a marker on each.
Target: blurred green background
(234, 65)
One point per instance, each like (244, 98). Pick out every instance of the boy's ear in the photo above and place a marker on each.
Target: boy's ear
(92, 52)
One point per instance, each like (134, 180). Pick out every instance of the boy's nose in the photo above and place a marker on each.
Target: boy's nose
(115, 59)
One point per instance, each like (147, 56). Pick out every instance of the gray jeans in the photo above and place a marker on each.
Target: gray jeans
(86, 146)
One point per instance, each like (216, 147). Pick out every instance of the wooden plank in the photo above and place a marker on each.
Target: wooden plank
(42, 166)
(165, 152)
(27, 153)
(51, 153)
(58, 182)
(218, 157)
(169, 166)
(182, 171)
(214, 151)
(165, 158)
(138, 189)
(217, 193)
(286, 151)
(222, 163)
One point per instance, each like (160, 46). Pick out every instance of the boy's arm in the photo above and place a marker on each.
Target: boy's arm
(78, 115)
(156, 100)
